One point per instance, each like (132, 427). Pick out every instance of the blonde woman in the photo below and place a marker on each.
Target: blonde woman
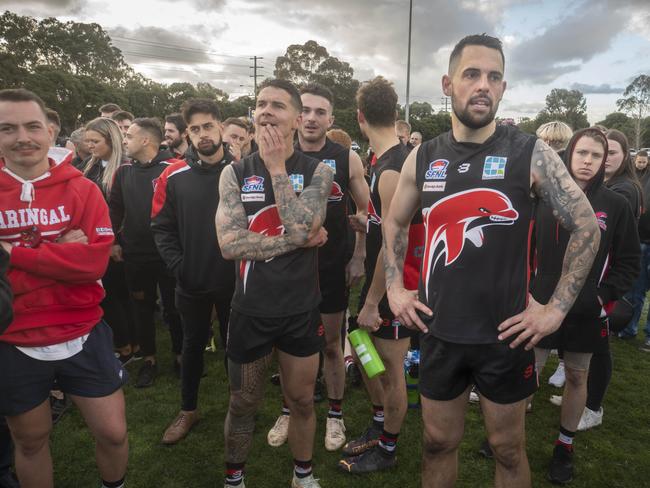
(556, 134)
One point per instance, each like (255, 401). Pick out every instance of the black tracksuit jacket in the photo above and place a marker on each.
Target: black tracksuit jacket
(6, 310)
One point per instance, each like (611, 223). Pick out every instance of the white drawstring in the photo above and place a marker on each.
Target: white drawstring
(27, 193)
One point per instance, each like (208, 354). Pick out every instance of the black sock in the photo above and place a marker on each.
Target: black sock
(388, 443)
(234, 474)
(378, 417)
(113, 484)
(302, 469)
(335, 411)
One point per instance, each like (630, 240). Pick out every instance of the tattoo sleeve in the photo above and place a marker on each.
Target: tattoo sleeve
(552, 183)
(303, 215)
(394, 260)
(235, 240)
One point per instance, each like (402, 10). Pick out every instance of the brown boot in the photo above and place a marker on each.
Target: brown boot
(180, 427)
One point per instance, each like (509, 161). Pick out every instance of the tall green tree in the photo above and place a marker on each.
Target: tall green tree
(636, 102)
(568, 106)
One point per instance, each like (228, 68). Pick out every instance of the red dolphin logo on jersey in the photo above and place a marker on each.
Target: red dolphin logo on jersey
(336, 195)
(461, 216)
(266, 222)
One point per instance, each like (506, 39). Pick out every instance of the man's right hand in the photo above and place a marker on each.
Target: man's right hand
(318, 240)
(116, 253)
(74, 236)
(404, 304)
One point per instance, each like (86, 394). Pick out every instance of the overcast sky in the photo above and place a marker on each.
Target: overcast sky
(597, 46)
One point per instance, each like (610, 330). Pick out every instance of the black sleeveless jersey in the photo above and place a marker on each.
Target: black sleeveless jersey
(337, 157)
(393, 159)
(288, 284)
(478, 213)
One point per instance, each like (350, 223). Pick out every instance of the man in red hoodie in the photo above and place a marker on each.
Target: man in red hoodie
(55, 226)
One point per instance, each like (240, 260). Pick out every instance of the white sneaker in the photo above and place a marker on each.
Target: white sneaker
(558, 377)
(279, 433)
(556, 400)
(473, 396)
(308, 482)
(334, 434)
(590, 419)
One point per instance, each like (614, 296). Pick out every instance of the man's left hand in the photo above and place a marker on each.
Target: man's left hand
(534, 323)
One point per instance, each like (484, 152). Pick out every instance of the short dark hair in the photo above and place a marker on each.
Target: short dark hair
(377, 101)
(288, 87)
(236, 121)
(475, 40)
(200, 106)
(178, 121)
(109, 108)
(643, 154)
(318, 90)
(22, 95)
(53, 117)
(152, 126)
(122, 115)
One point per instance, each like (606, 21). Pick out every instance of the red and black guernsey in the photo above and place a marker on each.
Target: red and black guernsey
(478, 212)
(393, 159)
(182, 220)
(288, 284)
(335, 250)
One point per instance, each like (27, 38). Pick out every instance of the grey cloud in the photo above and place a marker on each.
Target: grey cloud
(604, 88)
(565, 46)
(44, 8)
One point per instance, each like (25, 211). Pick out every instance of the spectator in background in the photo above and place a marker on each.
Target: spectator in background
(235, 133)
(403, 132)
(108, 109)
(81, 152)
(642, 170)
(340, 137)
(556, 134)
(124, 120)
(251, 145)
(176, 135)
(54, 121)
(416, 138)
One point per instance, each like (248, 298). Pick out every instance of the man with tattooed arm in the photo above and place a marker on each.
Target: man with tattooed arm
(476, 186)
(269, 219)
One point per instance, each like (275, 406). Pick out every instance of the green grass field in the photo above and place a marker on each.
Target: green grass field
(615, 454)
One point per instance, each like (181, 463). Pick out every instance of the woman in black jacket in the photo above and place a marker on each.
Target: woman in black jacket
(585, 329)
(104, 141)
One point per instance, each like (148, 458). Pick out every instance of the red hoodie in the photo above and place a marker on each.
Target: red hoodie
(56, 287)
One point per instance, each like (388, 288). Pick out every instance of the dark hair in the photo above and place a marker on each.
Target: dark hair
(110, 108)
(288, 87)
(598, 136)
(236, 121)
(53, 117)
(475, 40)
(122, 115)
(152, 126)
(199, 106)
(643, 154)
(626, 169)
(318, 90)
(377, 101)
(21, 95)
(178, 120)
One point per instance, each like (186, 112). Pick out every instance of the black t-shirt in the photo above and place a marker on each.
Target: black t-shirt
(477, 209)
(337, 157)
(288, 284)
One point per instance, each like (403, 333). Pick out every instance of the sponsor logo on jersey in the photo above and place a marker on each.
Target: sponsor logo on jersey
(336, 195)
(463, 168)
(253, 197)
(253, 183)
(601, 218)
(266, 222)
(434, 186)
(297, 182)
(459, 217)
(104, 231)
(331, 163)
(494, 168)
(437, 170)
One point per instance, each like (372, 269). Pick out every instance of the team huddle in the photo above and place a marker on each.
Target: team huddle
(484, 248)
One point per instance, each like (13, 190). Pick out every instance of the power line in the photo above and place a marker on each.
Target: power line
(171, 58)
(176, 46)
(171, 68)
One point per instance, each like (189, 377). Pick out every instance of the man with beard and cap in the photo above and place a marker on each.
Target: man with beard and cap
(182, 220)
(270, 217)
(585, 328)
(176, 135)
(337, 271)
(130, 209)
(476, 187)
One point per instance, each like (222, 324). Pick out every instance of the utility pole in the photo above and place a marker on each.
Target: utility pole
(445, 100)
(255, 67)
(408, 64)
